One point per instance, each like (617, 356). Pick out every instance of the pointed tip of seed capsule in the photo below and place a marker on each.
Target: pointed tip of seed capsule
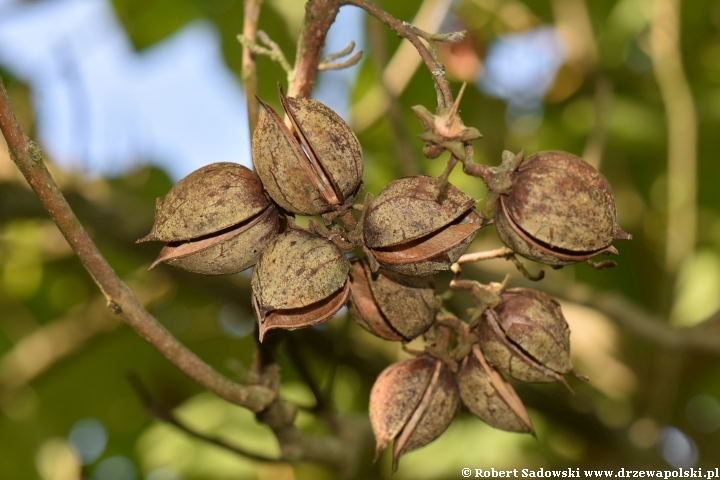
(562, 381)
(150, 237)
(378, 451)
(261, 313)
(155, 264)
(621, 234)
(261, 334)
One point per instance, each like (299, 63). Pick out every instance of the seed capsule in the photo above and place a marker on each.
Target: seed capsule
(527, 337)
(408, 230)
(489, 397)
(560, 210)
(217, 221)
(390, 305)
(317, 170)
(301, 279)
(412, 402)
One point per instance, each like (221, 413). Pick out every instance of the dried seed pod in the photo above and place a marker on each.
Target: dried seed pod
(226, 252)
(407, 229)
(390, 305)
(534, 321)
(317, 171)
(217, 221)
(301, 279)
(489, 397)
(412, 402)
(560, 210)
(527, 337)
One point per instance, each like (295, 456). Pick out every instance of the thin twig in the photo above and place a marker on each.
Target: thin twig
(160, 412)
(442, 85)
(352, 60)
(398, 71)
(502, 252)
(277, 53)
(327, 62)
(452, 37)
(475, 169)
(442, 180)
(525, 272)
(272, 51)
(120, 299)
(407, 31)
(339, 54)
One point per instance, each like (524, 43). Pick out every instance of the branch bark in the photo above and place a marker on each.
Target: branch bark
(120, 298)
(249, 72)
(407, 31)
(319, 16)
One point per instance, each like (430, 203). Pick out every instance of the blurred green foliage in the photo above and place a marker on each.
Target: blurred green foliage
(63, 358)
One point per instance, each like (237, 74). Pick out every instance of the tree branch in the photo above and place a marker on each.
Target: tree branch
(442, 86)
(249, 71)
(319, 16)
(413, 34)
(120, 299)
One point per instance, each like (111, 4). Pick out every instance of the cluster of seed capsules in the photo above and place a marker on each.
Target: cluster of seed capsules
(553, 208)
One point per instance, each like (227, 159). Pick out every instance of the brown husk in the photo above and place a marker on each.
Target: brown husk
(315, 172)
(395, 395)
(229, 252)
(391, 305)
(210, 199)
(433, 415)
(560, 210)
(314, 314)
(489, 397)
(434, 252)
(507, 357)
(408, 209)
(363, 308)
(298, 269)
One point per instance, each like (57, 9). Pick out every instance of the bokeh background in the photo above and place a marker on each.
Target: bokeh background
(128, 96)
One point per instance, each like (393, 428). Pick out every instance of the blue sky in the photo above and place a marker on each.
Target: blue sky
(102, 108)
